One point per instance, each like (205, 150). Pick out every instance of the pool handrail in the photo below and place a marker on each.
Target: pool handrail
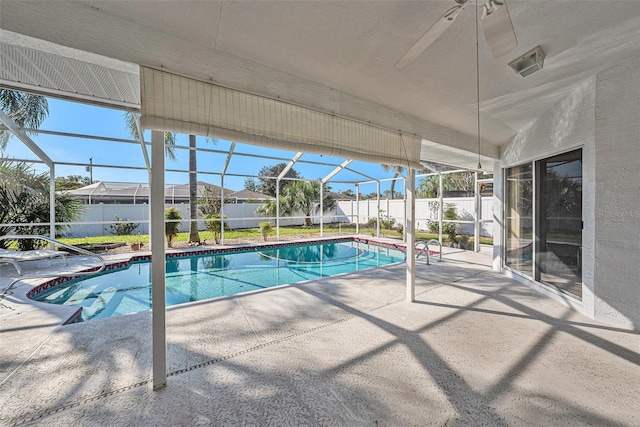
(425, 248)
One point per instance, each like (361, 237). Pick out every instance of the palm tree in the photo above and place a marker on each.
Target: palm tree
(169, 137)
(397, 171)
(428, 186)
(25, 109)
(302, 196)
(24, 198)
(194, 236)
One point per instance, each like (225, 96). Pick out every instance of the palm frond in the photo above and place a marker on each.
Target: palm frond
(25, 109)
(169, 137)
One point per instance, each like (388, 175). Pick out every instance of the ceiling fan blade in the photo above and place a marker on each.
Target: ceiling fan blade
(431, 35)
(497, 27)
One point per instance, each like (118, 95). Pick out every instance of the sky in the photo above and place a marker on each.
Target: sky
(77, 118)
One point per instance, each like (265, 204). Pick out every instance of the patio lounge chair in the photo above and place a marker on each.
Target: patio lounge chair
(14, 257)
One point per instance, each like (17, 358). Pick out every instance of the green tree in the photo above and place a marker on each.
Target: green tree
(210, 203)
(71, 182)
(24, 199)
(268, 185)
(250, 184)
(27, 110)
(459, 182)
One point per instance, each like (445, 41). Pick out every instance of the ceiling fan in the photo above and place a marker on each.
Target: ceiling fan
(494, 19)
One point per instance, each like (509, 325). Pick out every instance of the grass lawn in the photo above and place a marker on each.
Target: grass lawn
(245, 233)
(254, 233)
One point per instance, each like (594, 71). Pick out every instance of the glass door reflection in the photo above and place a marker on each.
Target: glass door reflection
(559, 229)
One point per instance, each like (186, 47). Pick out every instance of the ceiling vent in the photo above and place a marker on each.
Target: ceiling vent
(528, 63)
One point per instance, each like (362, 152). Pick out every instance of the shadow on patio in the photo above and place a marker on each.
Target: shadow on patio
(476, 349)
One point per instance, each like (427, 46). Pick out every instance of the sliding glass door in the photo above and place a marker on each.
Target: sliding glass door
(560, 222)
(519, 219)
(543, 221)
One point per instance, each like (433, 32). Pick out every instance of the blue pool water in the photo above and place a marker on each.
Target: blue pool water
(128, 290)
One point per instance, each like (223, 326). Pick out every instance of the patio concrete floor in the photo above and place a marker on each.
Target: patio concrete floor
(475, 349)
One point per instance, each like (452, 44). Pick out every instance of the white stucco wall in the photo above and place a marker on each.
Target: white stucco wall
(602, 116)
(617, 210)
(568, 125)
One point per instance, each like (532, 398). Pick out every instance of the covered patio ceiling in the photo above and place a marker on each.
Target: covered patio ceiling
(339, 57)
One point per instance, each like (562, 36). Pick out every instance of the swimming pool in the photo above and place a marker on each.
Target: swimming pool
(198, 277)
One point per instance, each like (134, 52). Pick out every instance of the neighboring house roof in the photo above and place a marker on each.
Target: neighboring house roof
(248, 194)
(340, 196)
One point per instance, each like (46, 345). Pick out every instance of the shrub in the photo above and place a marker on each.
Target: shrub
(172, 228)
(450, 228)
(265, 229)
(123, 228)
(213, 224)
(388, 223)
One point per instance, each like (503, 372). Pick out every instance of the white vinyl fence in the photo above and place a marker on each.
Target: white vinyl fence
(98, 217)
(426, 211)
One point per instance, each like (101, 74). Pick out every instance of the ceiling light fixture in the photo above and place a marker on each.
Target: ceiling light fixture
(528, 63)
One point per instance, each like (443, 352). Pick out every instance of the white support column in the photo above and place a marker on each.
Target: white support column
(378, 210)
(409, 189)
(476, 224)
(441, 205)
(278, 209)
(357, 209)
(52, 203)
(321, 208)
(158, 262)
